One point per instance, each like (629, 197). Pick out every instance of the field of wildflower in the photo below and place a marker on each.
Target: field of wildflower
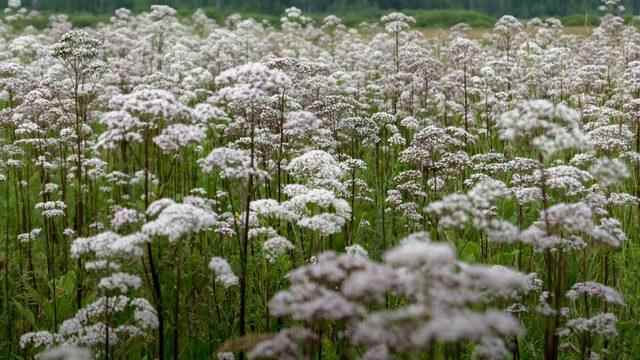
(185, 189)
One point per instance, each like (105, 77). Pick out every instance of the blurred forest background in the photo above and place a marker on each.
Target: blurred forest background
(519, 8)
(435, 14)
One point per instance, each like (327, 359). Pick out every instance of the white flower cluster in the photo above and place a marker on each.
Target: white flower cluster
(30, 236)
(231, 163)
(596, 290)
(51, 209)
(286, 345)
(178, 136)
(315, 165)
(476, 208)
(151, 106)
(121, 127)
(570, 226)
(86, 329)
(549, 128)
(76, 47)
(276, 247)
(299, 208)
(100, 245)
(120, 281)
(223, 272)
(175, 221)
(396, 22)
(250, 83)
(441, 290)
(124, 217)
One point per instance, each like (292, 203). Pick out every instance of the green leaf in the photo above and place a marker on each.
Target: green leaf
(35, 296)
(65, 294)
(26, 313)
(470, 252)
(68, 283)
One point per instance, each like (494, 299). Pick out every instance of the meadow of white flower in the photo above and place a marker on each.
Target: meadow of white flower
(184, 189)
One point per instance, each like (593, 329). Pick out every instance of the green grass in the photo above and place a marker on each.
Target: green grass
(448, 18)
(79, 20)
(580, 20)
(87, 20)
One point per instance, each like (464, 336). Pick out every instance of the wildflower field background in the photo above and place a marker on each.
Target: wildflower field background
(183, 186)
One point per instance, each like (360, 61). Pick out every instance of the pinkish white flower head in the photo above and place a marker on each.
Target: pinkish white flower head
(431, 141)
(463, 51)
(250, 83)
(30, 236)
(102, 265)
(50, 209)
(363, 129)
(89, 331)
(123, 217)
(270, 208)
(570, 217)
(300, 208)
(151, 106)
(301, 123)
(596, 290)
(603, 324)
(175, 221)
(293, 15)
(466, 325)
(417, 251)
(161, 12)
(144, 313)
(286, 345)
(326, 224)
(331, 22)
(609, 233)
(396, 22)
(230, 163)
(315, 164)
(508, 25)
(609, 172)
(66, 352)
(99, 244)
(129, 245)
(121, 127)
(37, 339)
(611, 139)
(302, 197)
(549, 128)
(76, 47)
(357, 250)
(611, 7)
(122, 282)
(205, 114)
(275, 247)
(175, 137)
(223, 272)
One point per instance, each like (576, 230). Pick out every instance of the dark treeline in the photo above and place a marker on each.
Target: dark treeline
(520, 8)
